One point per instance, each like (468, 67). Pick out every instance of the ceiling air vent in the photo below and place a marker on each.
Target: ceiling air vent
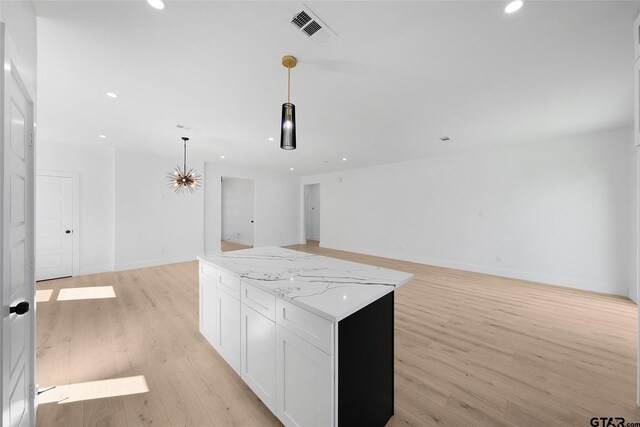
(301, 19)
(312, 26)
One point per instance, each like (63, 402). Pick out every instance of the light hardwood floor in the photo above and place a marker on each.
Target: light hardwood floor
(471, 349)
(227, 245)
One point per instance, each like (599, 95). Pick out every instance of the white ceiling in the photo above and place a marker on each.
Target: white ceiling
(397, 76)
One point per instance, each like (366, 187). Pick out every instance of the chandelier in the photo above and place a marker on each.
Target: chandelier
(183, 180)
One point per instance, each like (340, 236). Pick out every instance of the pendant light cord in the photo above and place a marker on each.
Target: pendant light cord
(185, 157)
(289, 85)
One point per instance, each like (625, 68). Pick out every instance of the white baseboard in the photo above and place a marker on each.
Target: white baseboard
(286, 243)
(633, 293)
(607, 288)
(290, 243)
(95, 269)
(154, 262)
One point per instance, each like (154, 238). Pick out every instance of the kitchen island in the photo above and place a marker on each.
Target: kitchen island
(312, 336)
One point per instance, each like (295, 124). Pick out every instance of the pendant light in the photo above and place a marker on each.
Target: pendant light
(288, 133)
(182, 180)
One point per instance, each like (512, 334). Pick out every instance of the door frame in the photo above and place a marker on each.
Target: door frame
(13, 65)
(75, 223)
(305, 214)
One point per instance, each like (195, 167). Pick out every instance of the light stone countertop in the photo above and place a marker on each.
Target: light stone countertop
(330, 287)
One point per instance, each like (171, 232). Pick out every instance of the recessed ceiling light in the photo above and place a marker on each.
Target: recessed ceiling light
(291, 169)
(111, 95)
(222, 157)
(102, 136)
(270, 139)
(156, 4)
(344, 159)
(514, 6)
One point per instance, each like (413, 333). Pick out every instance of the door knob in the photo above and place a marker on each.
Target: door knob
(68, 231)
(20, 308)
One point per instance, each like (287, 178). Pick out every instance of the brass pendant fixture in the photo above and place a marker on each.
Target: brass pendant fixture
(183, 180)
(288, 132)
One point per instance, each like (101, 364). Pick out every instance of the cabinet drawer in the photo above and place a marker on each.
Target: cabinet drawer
(261, 301)
(229, 283)
(308, 326)
(209, 272)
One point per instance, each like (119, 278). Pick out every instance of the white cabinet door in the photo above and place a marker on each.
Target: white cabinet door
(229, 328)
(208, 310)
(258, 359)
(304, 382)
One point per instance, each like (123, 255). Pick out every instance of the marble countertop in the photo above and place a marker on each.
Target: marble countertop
(330, 287)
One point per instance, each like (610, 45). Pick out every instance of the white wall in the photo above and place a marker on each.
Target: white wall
(129, 216)
(20, 20)
(153, 224)
(95, 167)
(312, 211)
(277, 206)
(559, 212)
(237, 210)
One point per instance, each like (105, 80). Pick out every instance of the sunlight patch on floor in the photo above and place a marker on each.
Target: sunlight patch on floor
(95, 292)
(43, 295)
(94, 390)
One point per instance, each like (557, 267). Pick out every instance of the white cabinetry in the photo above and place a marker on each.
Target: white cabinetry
(304, 382)
(208, 303)
(208, 313)
(284, 353)
(228, 308)
(311, 336)
(258, 357)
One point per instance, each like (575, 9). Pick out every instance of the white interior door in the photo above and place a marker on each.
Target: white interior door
(312, 211)
(54, 220)
(17, 249)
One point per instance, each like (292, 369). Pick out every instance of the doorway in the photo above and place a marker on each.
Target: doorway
(312, 212)
(56, 225)
(237, 210)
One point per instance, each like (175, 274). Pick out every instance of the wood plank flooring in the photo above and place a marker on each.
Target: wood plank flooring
(228, 245)
(471, 349)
